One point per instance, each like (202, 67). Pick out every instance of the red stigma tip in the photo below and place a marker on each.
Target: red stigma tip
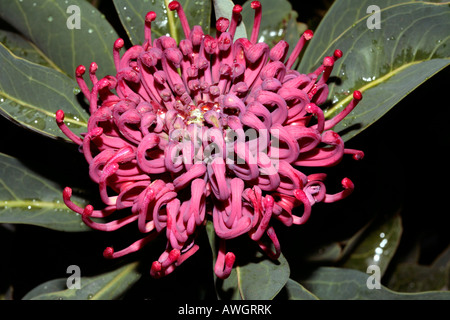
(174, 5)
(151, 16)
(174, 254)
(93, 67)
(347, 183)
(88, 210)
(358, 155)
(67, 193)
(357, 95)
(80, 70)
(156, 267)
(328, 61)
(255, 5)
(337, 54)
(237, 9)
(229, 259)
(59, 116)
(308, 34)
(119, 43)
(108, 253)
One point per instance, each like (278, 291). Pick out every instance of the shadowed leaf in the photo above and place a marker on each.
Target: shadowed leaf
(40, 203)
(45, 24)
(329, 283)
(30, 94)
(384, 64)
(107, 286)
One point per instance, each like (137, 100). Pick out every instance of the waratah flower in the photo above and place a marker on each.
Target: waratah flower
(211, 128)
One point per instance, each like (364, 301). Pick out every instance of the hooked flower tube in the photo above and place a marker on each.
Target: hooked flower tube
(211, 128)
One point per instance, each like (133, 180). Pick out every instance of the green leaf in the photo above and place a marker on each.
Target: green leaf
(258, 278)
(25, 49)
(26, 197)
(107, 286)
(45, 24)
(295, 291)
(384, 64)
(224, 8)
(378, 245)
(30, 94)
(132, 15)
(261, 279)
(275, 21)
(329, 283)
(412, 277)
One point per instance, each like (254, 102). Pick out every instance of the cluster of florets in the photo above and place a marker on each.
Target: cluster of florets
(210, 128)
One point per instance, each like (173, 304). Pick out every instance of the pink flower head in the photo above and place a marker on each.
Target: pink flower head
(210, 128)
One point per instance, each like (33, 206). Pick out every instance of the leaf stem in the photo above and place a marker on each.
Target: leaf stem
(171, 21)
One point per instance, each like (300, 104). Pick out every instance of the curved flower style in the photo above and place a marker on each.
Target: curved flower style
(212, 128)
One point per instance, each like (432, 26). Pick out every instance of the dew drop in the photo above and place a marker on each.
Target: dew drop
(90, 30)
(128, 19)
(90, 296)
(76, 90)
(50, 19)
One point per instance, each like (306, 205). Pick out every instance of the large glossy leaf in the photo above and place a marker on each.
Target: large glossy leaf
(329, 283)
(39, 203)
(378, 246)
(132, 15)
(107, 286)
(259, 278)
(25, 49)
(295, 291)
(385, 64)
(45, 24)
(414, 277)
(30, 94)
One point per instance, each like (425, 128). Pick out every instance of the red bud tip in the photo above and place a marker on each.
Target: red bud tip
(80, 70)
(229, 259)
(59, 116)
(308, 34)
(269, 201)
(222, 24)
(67, 193)
(93, 67)
(328, 61)
(174, 5)
(108, 253)
(119, 43)
(357, 95)
(237, 9)
(347, 183)
(358, 155)
(96, 132)
(151, 16)
(174, 255)
(156, 267)
(338, 54)
(88, 210)
(255, 5)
